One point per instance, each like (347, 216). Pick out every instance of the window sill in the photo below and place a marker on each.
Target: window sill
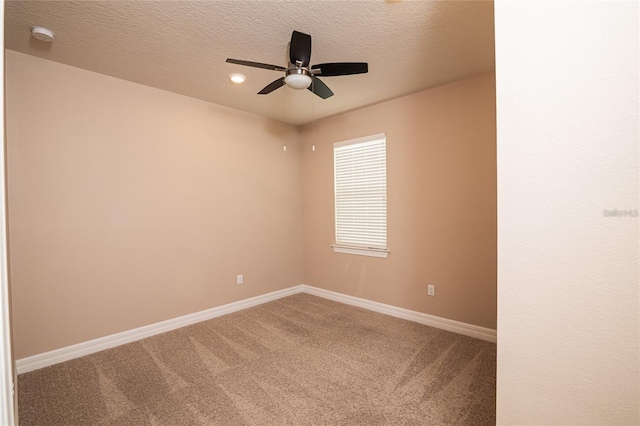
(361, 251)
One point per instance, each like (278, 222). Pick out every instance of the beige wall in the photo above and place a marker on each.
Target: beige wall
(129, 205)
(441, 183)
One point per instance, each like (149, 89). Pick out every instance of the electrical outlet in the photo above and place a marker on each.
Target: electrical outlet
(431, 290)
(239, 279)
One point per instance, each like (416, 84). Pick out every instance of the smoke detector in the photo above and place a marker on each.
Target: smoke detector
(42, 34)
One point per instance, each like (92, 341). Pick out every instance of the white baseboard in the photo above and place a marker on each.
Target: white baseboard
(46, 359)
(470, 330)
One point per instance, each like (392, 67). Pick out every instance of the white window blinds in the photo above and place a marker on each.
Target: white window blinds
(360, 168)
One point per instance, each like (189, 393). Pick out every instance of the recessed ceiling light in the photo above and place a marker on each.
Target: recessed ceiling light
(42, 34)
(237, 78)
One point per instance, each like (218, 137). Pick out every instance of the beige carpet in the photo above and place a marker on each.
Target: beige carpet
(301, 360)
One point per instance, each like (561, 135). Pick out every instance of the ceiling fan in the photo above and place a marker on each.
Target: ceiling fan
(299, 75)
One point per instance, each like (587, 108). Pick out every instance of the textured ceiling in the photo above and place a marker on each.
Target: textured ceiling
(181, 46)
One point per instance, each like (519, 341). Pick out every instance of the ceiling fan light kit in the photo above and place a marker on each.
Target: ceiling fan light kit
(299, 75)
(297, 79)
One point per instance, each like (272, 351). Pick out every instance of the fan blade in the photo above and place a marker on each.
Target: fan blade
(300, 48)
(320, 89)
(272, 86)
(256, 64)
(341, 68)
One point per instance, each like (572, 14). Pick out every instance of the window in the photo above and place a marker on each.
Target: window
(360, 169)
